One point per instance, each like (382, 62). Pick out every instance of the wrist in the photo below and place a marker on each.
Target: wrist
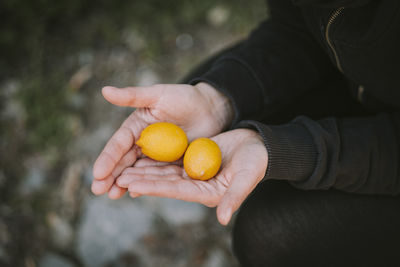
(220, 105)
(253, 140)
(252, 136)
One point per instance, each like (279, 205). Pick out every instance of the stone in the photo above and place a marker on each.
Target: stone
(218, 15)
(33, 181)
(146, 76)
(184, 41)
(62, 233)
(178, 212)
(217, 258)
(53, 260)
(91, 143)
(36, 167)
(134, 40)
(71, 185)
(110, 228)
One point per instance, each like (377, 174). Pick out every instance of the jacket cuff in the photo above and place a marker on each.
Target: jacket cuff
(292, 155)
(237, 81)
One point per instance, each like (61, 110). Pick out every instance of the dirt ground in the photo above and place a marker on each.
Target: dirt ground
(54, 58)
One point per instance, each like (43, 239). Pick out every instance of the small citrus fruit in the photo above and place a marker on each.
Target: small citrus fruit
(202, 159)
(163, 141)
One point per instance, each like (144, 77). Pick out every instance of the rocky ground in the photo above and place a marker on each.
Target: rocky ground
(55, 58)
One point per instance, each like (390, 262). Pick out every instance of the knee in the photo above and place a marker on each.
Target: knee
(271, 230)
(282, 226)
(261, 234)
(252, 237)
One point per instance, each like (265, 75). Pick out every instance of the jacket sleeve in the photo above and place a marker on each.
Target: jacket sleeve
(279, 61)
(359, 154)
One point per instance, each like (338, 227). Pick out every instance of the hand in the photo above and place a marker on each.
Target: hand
(200, 110)
(244, 163)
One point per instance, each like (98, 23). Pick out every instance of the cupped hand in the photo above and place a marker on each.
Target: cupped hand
(199, 110)
(244, 163)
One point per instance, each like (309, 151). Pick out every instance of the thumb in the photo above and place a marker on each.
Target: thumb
(234, 197)
(138, 97)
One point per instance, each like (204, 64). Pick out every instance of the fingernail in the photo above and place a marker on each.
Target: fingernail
(114, 193)
(97, 188)
(100, 169)
(107, 87)
(110, 89)
(134, 195)
(226, 216)
(122, 181)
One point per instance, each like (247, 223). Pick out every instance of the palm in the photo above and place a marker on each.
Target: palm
(244, 165)
(183, 105)
(149, 177)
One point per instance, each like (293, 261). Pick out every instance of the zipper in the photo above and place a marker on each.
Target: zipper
(332, 18)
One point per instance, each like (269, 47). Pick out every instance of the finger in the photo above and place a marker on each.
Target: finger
(125, 180)
(155, 170)
(119, 144)
(193, 191)
(100, 187)
(134, 195)
(150, 162)
(127, 160)
(139, 97)
(116, 192)
(234, 197)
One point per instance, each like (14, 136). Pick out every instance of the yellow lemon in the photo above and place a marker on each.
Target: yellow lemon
(202, 159)
(163, 141)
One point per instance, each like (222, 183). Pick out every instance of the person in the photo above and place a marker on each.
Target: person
(305, 111)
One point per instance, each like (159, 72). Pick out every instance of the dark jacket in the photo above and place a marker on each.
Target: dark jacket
(297, 49)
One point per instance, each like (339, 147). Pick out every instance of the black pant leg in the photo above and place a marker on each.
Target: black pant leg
(279, 225)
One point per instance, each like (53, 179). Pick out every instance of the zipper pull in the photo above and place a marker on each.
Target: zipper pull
(360, 93)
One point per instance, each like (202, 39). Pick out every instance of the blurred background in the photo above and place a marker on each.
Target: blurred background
(54, 58)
